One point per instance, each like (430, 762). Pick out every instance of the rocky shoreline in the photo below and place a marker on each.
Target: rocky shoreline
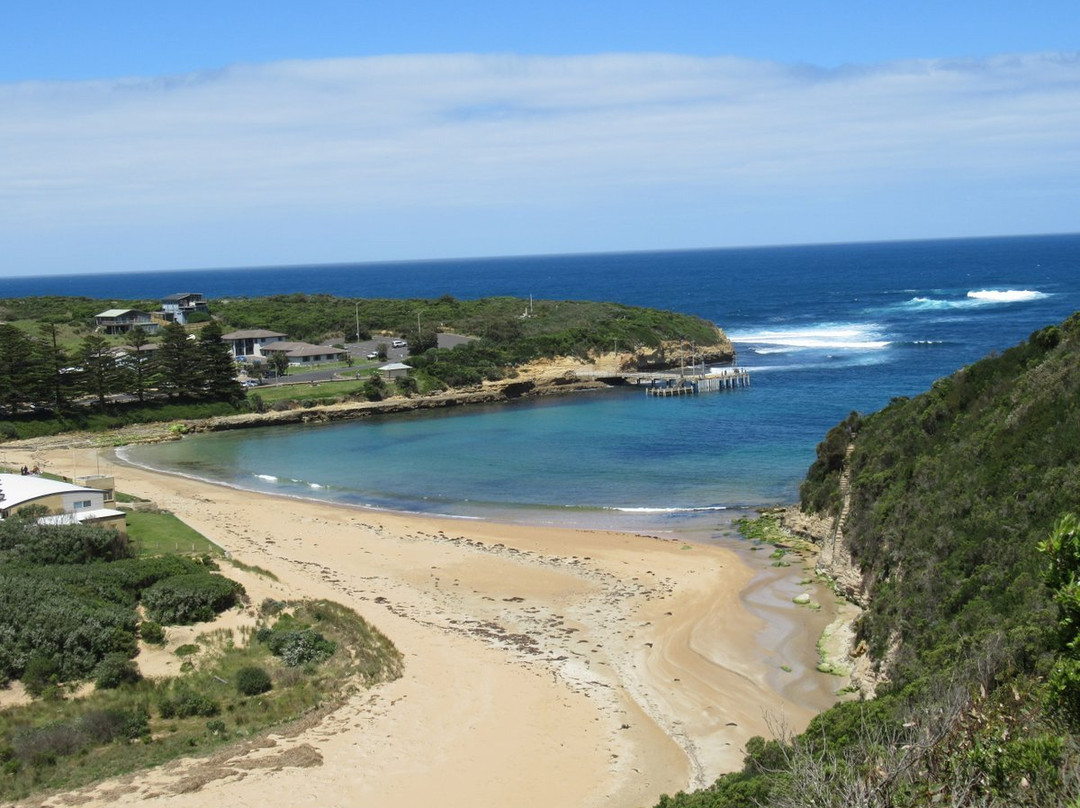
(489, 393)
(531, 385)
(840, 647)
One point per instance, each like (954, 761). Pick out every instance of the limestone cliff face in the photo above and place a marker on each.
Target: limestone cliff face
(834, 561)
(673, 353)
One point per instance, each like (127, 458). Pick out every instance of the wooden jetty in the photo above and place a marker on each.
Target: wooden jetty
(676, 384)
(684, 382)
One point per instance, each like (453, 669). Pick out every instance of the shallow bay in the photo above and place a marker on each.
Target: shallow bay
(823, 330)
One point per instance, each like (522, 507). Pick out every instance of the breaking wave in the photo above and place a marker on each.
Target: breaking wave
(973, 299)
(1006, 296)
(669, 510)
(828, 336)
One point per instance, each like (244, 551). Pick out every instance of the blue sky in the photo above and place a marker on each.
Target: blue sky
(138, 136)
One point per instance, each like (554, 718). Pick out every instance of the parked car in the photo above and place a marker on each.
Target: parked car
(251, 382)
(399, 343)
(372, 355)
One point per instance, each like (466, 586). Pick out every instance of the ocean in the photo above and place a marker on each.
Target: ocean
(823, 330)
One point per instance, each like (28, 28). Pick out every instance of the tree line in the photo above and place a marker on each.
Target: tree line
(38, 372)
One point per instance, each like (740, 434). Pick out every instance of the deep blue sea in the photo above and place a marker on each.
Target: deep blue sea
(824, 330)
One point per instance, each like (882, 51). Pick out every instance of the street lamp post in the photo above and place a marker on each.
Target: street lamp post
(358, 322)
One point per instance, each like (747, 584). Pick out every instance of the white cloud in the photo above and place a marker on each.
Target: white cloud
(433, 138)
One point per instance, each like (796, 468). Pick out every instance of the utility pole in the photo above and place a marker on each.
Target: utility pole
(357, 322)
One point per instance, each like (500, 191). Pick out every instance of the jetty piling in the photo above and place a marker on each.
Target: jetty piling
(675, 384)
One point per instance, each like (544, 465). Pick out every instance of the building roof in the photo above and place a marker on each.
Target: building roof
(119, 312)
(252, 333)
(19, 488)
(301, 349)
(396, 366)
(315, 350)
(124, 351)
(77, 517)
(284, 346)
(180, 296)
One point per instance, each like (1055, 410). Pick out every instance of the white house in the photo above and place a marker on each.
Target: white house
(250, 342)
(67, 503)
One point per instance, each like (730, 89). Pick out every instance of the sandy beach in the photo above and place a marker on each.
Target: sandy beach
(543, 667)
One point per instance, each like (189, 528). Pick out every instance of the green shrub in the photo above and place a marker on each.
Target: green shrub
(270, 607)
(116, 670)
(299, 647)
(41, 671)
(152, 632)
(185, 599)
(186, 703)
(23, 540)
(252, 680)
(105, 726)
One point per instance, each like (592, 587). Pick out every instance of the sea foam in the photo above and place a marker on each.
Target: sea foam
(670, 510)
(828, 336)
(1006, 295)
(974, 298)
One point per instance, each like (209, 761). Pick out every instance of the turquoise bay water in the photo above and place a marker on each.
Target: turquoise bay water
(824, 330)
(617, 454)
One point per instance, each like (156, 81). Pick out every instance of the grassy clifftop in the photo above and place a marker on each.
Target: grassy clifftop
(955, 506)
(951, 493)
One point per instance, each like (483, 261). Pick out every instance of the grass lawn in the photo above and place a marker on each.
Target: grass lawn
(322, 392)
(154, 533)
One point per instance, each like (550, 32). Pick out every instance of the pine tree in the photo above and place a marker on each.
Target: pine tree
(21, 379)
(137, 363)
(217, 367)
(177, 362)
(53, 361)
(101, 372)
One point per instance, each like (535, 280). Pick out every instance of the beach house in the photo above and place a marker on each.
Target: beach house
(179, 307)
(120, 321)
(250, 342)
(66, 503)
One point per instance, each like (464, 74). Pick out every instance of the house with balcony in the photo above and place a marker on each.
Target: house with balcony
(178, 308)
(120, 321)
(249, 343)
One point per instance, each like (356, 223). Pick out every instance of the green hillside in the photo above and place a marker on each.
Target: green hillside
(60, 372)
(957, 499)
